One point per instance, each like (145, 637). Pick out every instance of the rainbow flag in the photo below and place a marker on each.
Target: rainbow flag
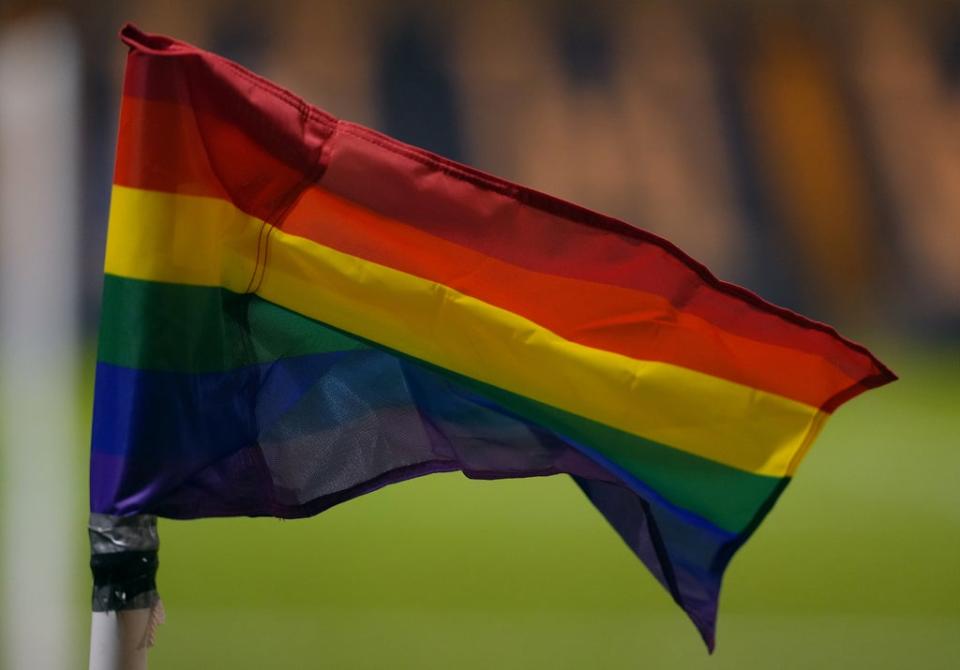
(298, 310)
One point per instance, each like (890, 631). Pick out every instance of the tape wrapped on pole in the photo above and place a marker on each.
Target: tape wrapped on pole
(126, 606)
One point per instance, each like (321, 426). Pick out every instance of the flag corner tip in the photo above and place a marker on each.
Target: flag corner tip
(152, 43)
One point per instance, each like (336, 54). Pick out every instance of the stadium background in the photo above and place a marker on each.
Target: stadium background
(808, 150)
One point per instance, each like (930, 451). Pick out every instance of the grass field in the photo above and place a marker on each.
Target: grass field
(857, 567)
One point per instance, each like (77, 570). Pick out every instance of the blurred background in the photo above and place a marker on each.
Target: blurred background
(807, 150)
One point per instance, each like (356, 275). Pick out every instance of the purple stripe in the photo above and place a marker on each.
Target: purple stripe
(294, 437)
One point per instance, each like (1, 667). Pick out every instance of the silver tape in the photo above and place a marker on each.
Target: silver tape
(123, 559)
(114, 534)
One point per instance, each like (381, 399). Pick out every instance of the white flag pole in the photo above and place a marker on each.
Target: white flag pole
(118, 640)
(39, 138)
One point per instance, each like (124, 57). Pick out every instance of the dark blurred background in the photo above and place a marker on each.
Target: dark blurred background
(807, 150)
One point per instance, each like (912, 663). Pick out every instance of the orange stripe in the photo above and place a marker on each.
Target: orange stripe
(636, 324)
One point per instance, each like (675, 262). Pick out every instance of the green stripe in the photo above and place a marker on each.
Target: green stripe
(195, 329)
(728, 497)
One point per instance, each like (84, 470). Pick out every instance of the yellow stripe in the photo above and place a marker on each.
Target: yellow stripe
(181, 239)
(192, 240)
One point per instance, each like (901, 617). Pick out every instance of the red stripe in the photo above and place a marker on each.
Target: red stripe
(235, 115)
(262, 145)
(161, 149)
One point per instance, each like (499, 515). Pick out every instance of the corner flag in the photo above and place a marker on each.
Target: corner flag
(298, 310)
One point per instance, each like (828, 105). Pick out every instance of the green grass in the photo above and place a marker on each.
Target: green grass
(857, 566)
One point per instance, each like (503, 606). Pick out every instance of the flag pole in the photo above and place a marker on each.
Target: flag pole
(126, 606)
